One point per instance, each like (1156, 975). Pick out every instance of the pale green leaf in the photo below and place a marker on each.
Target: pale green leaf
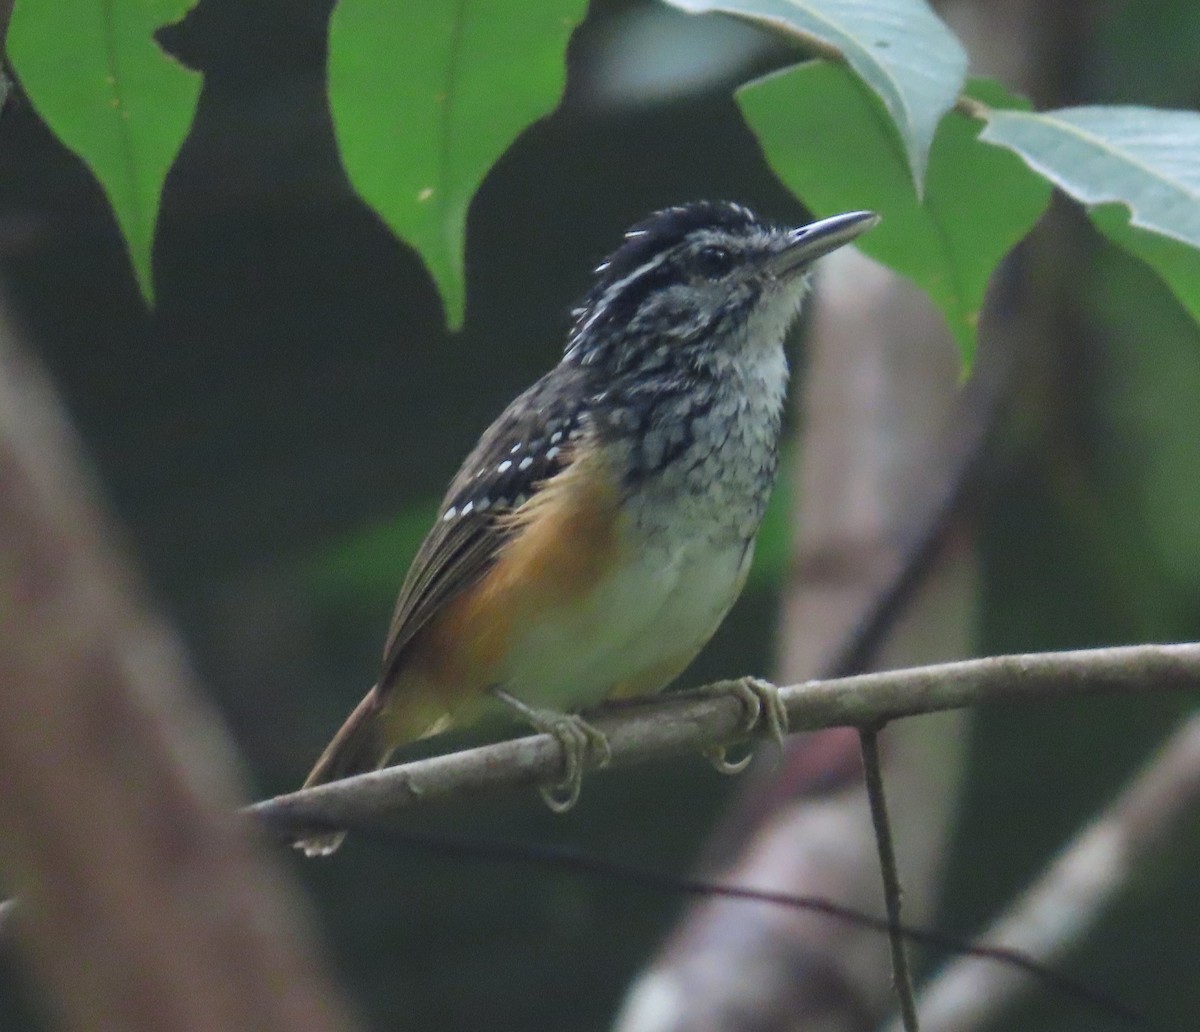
(1138, 171)
(899, 48)
(1144, 158)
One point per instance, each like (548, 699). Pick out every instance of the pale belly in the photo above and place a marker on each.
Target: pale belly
(648, 618)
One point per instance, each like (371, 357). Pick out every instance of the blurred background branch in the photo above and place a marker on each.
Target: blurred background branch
(1064, 905)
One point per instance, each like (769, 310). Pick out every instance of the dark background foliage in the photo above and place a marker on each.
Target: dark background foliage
(275, 433)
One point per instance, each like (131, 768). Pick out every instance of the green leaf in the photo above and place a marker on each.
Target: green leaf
(426, 96)
(899, 48)
(97, 78)
(1138, 171)
(1178, 265)
(831, 143)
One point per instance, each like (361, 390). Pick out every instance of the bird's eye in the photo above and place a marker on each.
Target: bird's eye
(713, 261)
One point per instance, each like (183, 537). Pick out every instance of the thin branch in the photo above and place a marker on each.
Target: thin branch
(1060, 908)
(689, 723)
(873, 776)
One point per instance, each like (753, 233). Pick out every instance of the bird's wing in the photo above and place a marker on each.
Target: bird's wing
(531, 441)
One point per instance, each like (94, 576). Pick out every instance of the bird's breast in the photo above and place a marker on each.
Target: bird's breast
(636, 630)
(717, 487)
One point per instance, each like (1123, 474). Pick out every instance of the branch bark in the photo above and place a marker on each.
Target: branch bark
(1063, 905)
(691, 722)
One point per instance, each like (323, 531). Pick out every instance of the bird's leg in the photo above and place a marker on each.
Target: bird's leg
(578, 739)
(761, 704)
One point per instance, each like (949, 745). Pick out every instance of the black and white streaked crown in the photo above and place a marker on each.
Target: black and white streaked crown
(678, 275)
(668, 229)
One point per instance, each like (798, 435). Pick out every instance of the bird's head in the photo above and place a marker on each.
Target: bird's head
(694, 281)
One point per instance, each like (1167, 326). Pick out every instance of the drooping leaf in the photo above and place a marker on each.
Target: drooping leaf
(831, 143)
(899, 48)
(106, 89)
(426, 96)
(1138, 171)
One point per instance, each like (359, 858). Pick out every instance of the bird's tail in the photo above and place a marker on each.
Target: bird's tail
(357, 748)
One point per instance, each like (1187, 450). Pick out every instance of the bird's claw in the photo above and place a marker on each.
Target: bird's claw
(716, 755)
(761, 706)
(580, 742)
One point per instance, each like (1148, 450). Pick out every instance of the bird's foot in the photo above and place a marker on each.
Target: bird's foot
(580, 742)
(761, 705)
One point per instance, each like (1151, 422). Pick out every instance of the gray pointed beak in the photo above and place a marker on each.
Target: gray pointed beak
(808, 243)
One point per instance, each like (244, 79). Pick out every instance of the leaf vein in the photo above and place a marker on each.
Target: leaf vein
(448, 93)
(128, 154)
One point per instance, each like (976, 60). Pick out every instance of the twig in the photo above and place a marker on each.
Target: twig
(1057, 911)
(689, 723)
(873, 775)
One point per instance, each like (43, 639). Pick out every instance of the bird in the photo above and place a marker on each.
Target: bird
(603, 525)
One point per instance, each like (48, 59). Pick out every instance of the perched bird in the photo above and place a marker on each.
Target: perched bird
(602, 527)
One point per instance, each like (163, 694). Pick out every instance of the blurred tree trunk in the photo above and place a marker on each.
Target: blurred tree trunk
(880, 429)
(880, 385)
(145, 906)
